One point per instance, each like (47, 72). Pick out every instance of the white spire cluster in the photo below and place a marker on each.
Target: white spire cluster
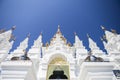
(21, 48)
(5, 43)
(94, 48)
(4, 39)
(74, 60)
(112, 44)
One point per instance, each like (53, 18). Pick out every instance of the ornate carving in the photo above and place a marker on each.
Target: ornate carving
(58, 60)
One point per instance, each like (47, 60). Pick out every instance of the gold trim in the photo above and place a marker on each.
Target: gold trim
(58, 63)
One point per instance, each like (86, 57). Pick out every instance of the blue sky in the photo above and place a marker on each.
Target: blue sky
(80, 16)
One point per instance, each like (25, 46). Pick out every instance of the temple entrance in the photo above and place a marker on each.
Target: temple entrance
(58, 69)
(58, 74)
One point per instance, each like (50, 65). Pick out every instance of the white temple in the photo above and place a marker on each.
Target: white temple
(59, 59)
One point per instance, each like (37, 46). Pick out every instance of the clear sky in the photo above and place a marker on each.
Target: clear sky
(80, 16)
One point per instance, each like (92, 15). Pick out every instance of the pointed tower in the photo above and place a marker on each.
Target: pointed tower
(6, 35)
(5, 38)
(81, 52)
(112, 42)
(20, 49)
(94, 48)
(108, 34)
(5, 44)
(38, 42)
(35, 51)
(57, 50)
(58, 39)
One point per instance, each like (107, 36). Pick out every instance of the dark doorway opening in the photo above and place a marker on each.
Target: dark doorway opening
(58, 75)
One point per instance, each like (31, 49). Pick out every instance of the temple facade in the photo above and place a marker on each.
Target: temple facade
(59, 59)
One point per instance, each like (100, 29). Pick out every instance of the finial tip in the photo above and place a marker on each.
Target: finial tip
(102, 27)
(75, 33)
(113, 31)
(58, 31)
(13, 28)
(58, 26)
(40, 33)
(88, 35)
(28, 35)
(101, 38)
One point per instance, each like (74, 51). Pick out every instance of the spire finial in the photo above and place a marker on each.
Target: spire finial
(13, 28)
(28, 35)
(103, 28)
(101, 39)
(40, 33)
(58, 28)
(113, 31)
(58, 31)
(75, 33)
(88, 35)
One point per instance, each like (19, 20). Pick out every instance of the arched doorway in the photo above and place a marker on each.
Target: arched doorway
(58, 68)
(58, 74)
